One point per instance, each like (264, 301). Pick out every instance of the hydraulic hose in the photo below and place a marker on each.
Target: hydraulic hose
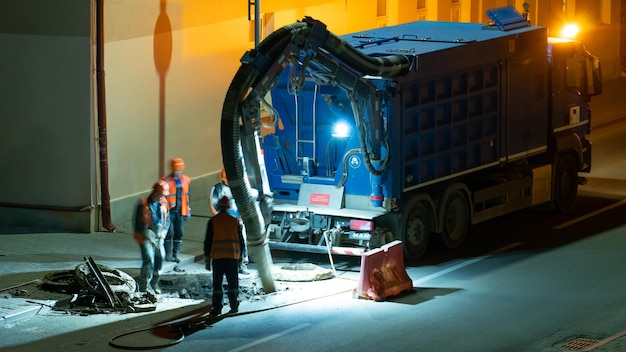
(232, 154)
(387, 66)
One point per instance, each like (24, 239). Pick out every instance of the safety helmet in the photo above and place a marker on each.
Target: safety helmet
(224, 178)
(162, 187)
(177, 164)
(224, 203)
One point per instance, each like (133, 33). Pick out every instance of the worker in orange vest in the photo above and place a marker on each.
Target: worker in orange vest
(219, 190)
(223, 244)
(180, 209)
(151, 226)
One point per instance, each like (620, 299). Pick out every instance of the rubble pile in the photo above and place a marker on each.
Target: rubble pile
(98, 289)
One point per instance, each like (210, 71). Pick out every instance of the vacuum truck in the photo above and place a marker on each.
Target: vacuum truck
(411, 132)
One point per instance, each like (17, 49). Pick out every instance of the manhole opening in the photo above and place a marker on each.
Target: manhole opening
(580, 344)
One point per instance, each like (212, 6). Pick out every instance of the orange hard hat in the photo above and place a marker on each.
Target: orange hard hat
(224, 178)
(177, 164)
(224, 203)
(162, 187)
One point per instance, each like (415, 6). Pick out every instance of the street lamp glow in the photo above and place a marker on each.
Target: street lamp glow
(570, 31)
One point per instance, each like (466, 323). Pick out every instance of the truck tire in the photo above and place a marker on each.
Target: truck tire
(415, 230)
(455, 220)
(566, 185)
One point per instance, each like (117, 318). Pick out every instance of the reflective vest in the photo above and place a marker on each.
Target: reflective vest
(143, 220)
(226, 232)
(183, 207)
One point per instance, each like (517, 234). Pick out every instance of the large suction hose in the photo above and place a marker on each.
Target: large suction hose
(232, 154)
(387, 66)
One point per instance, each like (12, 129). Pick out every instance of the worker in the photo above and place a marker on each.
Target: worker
(180, 209)
(223, 244)
(218, 191)
(151, 226)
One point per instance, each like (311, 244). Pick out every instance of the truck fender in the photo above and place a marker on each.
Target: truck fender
(568, 143)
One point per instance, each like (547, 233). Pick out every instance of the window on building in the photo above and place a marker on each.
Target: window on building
(421, 4)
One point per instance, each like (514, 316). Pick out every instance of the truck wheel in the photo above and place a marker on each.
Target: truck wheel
(415, 231)
(566, 186)
(455, 220)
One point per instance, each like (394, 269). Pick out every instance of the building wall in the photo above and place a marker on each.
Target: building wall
(47, 145)
(168, 64)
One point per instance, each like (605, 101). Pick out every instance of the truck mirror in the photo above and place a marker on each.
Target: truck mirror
(594, 76)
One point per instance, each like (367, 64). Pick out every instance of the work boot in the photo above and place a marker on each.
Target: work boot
(168, 251)
(143, 285)
(154, 283)
(215, 312)
(243, 269)
(234, 309)
(175, 250)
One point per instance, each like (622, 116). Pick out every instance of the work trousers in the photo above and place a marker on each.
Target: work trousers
(230, 268)
(152, 260)
(174, 237)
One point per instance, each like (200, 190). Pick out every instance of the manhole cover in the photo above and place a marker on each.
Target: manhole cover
(300, 272)
(61, 281)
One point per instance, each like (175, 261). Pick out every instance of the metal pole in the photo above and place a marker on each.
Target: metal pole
(102, 120)
(257, 22)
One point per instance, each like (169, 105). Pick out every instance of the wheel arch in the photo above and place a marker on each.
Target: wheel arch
(569, 144)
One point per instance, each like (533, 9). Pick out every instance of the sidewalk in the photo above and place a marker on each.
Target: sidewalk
(26, 256)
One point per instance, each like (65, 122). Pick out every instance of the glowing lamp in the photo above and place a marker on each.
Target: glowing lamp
(341, 129)
(570, 31)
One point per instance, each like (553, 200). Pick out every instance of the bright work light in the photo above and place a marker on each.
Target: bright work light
(341, 129)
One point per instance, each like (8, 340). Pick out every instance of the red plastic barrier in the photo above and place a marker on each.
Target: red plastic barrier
(383, 273)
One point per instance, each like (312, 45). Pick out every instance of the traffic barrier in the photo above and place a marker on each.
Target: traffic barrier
(383, 273)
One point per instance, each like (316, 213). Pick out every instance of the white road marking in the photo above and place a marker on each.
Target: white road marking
(268, 338)
(464, 264)
(592, 214)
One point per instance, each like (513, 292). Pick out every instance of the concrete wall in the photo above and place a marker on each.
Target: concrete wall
(168, 64)
(47, 138)
(167, 77)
